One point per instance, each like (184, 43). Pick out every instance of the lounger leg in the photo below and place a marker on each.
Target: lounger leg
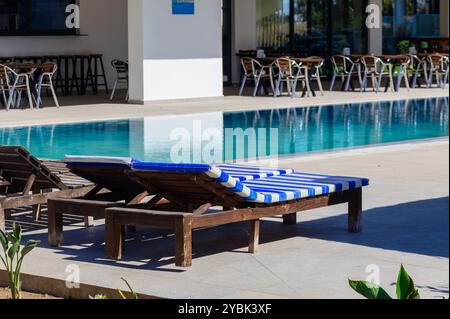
(89, 221)
(355, 211)
(254, 236)
(183, 242)
(37, 212)
(37, 209)
(290, 219)
(55, 225)
(2, 219)
(114, 237)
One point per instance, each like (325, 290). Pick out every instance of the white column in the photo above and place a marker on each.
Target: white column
(244, 31)
(175, 56)
(376, 35)
(135, 51)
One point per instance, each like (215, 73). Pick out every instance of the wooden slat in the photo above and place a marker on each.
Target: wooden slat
(240, 215)
(29, 200)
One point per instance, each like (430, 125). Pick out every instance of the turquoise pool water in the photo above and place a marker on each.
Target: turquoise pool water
(295, 131)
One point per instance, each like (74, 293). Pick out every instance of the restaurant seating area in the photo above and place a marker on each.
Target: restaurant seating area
(23, 79)
(383, 72)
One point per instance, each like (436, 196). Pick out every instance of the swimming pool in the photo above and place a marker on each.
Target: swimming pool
(296, 131)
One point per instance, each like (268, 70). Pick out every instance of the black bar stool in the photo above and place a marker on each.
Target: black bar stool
(78, 78)
(65, 62)
(75, 78)
(96, 62)
(84, 67)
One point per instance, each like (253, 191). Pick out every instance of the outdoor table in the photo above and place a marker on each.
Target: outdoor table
(425, 55)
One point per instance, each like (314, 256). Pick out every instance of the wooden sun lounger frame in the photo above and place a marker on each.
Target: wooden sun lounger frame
(38, 180)
(194, 215)
(112, 188)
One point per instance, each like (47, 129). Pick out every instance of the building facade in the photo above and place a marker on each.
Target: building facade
(188, 48)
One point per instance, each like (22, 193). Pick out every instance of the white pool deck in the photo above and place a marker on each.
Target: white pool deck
(405, 221)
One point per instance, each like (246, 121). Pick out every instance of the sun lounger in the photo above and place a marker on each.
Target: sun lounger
(112, 174)
(245, 193)
(113, 188)
(27, 181)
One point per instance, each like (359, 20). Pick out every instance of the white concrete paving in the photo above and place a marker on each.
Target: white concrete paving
(405, 221)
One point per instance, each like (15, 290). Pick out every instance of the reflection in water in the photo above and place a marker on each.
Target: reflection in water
(332, 127)
(301, 130)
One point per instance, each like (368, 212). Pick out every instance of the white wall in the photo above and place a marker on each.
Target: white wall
(244, 31)
(104, 22)
(181, 54)
(136, 51)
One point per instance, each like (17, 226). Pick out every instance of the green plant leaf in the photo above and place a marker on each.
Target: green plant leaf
(121, 294)
(29, 247)
(135, 296)
(4, 262)
(17, 231)
(405, 285)
(414, 295)
(369, 290)
(3, 240)
(12, 251)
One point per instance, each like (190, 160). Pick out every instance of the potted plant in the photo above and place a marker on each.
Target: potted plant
(403, 46)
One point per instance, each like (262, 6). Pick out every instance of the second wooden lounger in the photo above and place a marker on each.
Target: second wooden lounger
(28, 181)
(113, 188)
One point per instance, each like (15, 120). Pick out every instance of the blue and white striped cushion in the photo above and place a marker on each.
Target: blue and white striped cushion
(286, 187)
(247, 173)
(252, 184)
(302, 185)
(262, 185)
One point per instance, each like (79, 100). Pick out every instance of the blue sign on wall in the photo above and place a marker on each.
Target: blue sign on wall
(183, 6)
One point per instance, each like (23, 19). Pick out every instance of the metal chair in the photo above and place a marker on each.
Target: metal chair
(121, 68)
(402, 71)
(345, 68)
(45, 82)
(439, 68)
(256, 72)
(446, 67)
(4, 84)
(418, 69)
(18, 83)
(315, 76)
(290, 72)
(376, 69)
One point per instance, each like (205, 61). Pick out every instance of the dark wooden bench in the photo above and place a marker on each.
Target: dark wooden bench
(28, 181)
(112, 188)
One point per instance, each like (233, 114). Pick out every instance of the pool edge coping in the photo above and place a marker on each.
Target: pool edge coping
(247, 108)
